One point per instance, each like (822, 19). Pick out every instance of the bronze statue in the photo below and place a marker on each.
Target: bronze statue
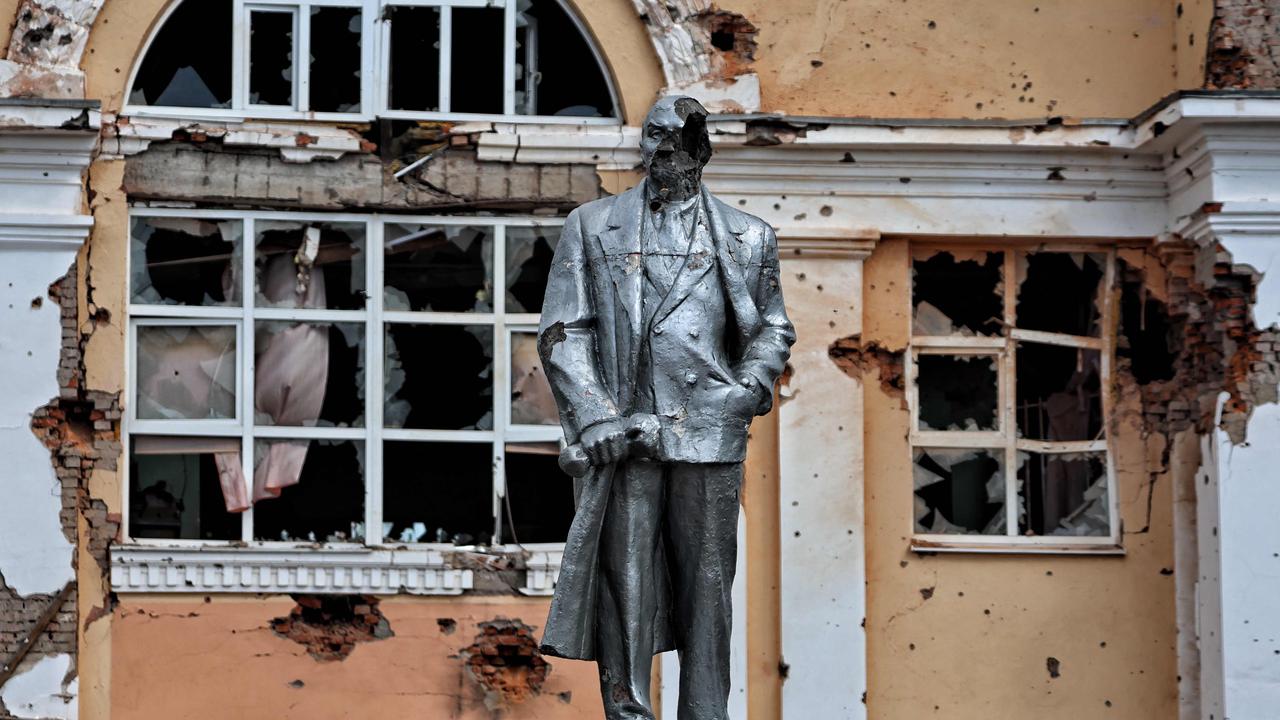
(663, 331)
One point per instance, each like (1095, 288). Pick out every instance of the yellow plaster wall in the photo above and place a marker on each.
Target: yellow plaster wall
(182, 657)
(978, 646)
(9, 15)
(881, 58)
(1191, 39)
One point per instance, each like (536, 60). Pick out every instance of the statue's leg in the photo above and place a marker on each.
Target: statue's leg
(628, 601)
(702, 548)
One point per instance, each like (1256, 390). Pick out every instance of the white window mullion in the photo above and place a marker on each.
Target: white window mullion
(302, 58)
(509, 59)
(373, 386)
(1109, 330)
(239, 56)
(501, 380)
(1009, 382)
(446, 58)
(248, 367)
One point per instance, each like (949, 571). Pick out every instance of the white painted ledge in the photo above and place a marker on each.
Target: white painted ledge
(147, 569)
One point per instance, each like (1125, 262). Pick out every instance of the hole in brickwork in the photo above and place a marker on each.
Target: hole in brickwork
(330, 626)
(505, 661)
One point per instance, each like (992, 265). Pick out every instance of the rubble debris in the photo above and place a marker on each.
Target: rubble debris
(957, 392)
(957, 293)
(330, 626)
(451, 178)
(958, 492)
(505, 661)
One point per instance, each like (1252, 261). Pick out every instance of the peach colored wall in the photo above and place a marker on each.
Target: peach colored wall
(176, 658)
(878, 58)
(883, 58)
(978, 645)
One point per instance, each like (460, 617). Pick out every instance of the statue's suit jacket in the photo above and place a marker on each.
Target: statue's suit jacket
(722, 319)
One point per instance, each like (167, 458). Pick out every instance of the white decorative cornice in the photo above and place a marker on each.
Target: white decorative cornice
(827, 244)
(44, 232)
(150, 569)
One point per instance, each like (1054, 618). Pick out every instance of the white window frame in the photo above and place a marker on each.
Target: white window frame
(374, 316)
(374, 65)
(1004, 442)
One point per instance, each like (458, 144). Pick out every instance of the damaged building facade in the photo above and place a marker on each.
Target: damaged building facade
(278, 441)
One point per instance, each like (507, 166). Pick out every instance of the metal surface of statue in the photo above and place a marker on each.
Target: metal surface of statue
(663, 331)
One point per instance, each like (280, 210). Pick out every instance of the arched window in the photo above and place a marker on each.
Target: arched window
(404, 59)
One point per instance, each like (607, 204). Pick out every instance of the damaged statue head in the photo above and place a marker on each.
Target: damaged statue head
(663, 331)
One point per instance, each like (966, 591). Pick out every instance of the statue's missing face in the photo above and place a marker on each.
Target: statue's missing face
(675, 147)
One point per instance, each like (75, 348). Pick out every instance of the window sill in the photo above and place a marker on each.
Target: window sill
(1105, 547)
(156, 569)
(274, 568)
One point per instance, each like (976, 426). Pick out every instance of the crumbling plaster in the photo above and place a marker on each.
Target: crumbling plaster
(982, 628)
(418, 672)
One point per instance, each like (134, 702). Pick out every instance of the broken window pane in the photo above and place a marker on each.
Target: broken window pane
(175, 491)
(539, 494)
(438, 492)
(309, 490)
(529, 253)
(186, 372)
(271, 57)
(439, 268)
(310, 265)
(477, 60)
(414, 78)
(185, 261)
(1059, 392)
(556, 73)
(1059, 292)
(189, 62)
(531, 399)
(1064, 494)
(335, 59)
(959, 492)
(957, 392)
(438, 377)
(958, 293)
(309, 374)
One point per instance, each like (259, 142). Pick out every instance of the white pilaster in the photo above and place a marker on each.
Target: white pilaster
(823, 593)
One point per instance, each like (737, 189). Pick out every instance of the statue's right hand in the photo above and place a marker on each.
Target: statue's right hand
(605, 442)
